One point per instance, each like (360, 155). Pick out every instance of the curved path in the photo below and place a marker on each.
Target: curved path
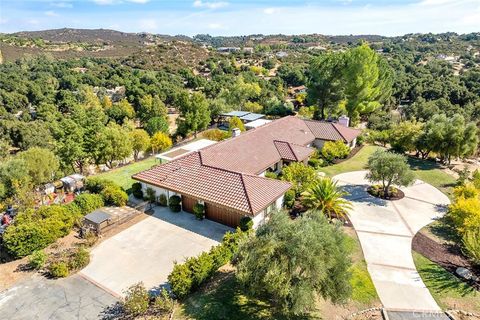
(385, 230)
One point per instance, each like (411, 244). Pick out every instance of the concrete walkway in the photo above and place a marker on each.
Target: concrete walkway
(385, 230)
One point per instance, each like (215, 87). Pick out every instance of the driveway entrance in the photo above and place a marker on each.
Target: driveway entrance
(147, 250)
(385, 230)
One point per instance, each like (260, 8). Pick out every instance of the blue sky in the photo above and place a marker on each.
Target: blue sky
(230, 17)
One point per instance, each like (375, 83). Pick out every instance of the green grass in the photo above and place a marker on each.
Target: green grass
(446, 289)
(363, 289)
(427, 171)
(431, 173)
(122, 175)
(355, 163)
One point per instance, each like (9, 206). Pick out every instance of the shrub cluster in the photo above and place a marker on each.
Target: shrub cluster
(316, 163)
(175, 203)
(69, 262)
(112, 194)
(36, 229)
(271, 175)
(335, 150)
(138, 302)
(199, 211)
(137, 190)
(289, 199)
(189, 275)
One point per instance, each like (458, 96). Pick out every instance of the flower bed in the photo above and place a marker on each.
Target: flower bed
(392, 194)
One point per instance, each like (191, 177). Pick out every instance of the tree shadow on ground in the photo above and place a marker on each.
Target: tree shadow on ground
(440, 280)
(445, 230)
(359, 194)
(228, 301)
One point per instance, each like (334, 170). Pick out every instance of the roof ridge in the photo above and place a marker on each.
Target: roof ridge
(335, 127)
(246, 194)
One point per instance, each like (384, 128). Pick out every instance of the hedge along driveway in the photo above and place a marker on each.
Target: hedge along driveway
(146, 251)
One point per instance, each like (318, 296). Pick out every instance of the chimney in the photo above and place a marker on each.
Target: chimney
(344, 121)
(235, 132)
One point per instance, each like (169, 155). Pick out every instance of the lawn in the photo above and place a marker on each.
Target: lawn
(427, 171)
(355, 163)
(223, 297)
(448, 291)
(122, 175)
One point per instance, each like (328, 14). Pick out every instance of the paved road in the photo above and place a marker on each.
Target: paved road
(63, 299)
(146, 251)
(385, 230)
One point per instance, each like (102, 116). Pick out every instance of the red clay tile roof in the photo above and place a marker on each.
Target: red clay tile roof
(226, 173)
(254, 151)
(187, 175)
(332, 131)
(292, 152)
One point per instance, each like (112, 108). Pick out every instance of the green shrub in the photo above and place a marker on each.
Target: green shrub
(23, 239)
(180, 280)
(199, 211)
(114, 196)
(220, 255)
(37, 260)
(163, 303)
(201, 268)
(151, 195)
(174, 203)
(58, 269)
(335, 150)
(316, 163)
(79, 259)
(88, 202)
(289, 198)
(96, 185)
(137, 190)
(471, 245)
(162, 200)
(136, 300)
(271, 175)
(246, 223)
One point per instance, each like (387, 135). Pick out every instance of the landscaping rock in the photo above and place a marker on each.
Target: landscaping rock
(466, 274)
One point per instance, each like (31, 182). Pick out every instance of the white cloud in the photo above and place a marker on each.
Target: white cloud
(139, 1)
(210, 5)
(3, 21)
(61, 4)
(110, 2)
(270, 10)
(51, 13)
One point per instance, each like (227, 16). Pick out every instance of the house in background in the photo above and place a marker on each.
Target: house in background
(229, 177)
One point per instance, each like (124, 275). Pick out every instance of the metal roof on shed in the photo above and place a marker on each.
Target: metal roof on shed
(252, 116)
(97, 216)
(236, 113)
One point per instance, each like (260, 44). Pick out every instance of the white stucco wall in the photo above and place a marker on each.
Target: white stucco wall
(258, 220)
(158, 191)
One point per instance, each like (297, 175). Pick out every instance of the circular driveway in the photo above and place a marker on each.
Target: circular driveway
(385, 230)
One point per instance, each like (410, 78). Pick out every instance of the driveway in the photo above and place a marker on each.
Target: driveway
(385, 230)
(146, 251)
(41, 298)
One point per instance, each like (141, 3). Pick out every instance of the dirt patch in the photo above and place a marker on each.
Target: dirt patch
(449, 256)
(462, 315)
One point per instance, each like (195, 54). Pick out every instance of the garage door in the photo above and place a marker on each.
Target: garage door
(188, 203)
(224, 216)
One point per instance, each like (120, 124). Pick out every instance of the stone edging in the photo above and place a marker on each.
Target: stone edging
(363, 312)
(462, 312)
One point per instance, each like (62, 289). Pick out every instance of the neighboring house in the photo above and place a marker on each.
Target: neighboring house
(228, 177)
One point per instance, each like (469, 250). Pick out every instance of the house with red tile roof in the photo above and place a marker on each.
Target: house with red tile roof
(229, 177)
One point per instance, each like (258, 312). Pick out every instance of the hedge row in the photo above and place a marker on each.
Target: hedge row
(188, 276)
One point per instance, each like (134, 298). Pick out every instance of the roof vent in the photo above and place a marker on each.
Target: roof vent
(344, 121)
(235, 132)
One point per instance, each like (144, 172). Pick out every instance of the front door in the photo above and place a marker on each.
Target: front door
(188, 203)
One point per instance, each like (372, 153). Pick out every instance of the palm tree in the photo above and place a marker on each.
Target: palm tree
(326, 196)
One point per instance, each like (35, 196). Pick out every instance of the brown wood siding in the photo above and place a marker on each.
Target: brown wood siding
(188, 203)
(221, 215)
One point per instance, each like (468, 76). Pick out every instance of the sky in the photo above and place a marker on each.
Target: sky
(232, 17)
